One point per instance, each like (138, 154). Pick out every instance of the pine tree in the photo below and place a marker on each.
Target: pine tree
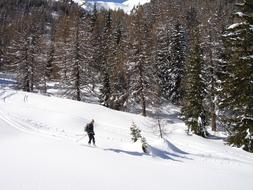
(136, 135)
(62, 54)
(237, 85)
(106, 71)
(213, 61)
(117, 57)
(177, 63)
(51, 53)
(135, 132)
(73, 52)
(47, 71)
(82, 51)
(143, 82)
(24, 50)
(96, 44)
(3, 36)
(162, 60)
(194, 88)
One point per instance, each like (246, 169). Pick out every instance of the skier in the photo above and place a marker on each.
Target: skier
(90, 131)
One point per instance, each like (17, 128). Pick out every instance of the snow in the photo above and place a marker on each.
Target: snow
(247, 57)
(133, 3)
(105, 5)
(126, 6)
(234, 26)
(248, 134)
(240, 14)
(130, 4)
(43, 147)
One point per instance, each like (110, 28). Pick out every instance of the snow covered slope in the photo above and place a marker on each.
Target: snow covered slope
(107, 5)
(132, 3)
(43, 147)
(126, 6)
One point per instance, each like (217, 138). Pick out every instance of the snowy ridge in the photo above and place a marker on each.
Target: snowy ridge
(126, 6)
(132, 3)
(106, 5)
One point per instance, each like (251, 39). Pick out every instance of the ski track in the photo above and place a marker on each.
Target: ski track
(33, 127)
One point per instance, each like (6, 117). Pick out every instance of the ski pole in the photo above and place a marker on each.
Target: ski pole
(81, 138)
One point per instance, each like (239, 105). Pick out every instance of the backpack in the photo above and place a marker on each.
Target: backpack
(86, 129)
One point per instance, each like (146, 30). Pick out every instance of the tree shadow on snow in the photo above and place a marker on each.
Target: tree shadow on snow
(170, 151)
(213, 137)
(154, 153)
(175, 155)
(132, 153)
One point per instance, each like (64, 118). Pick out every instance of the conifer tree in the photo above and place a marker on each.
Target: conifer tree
(24, 50)
(82, 51)
(73, 52)
(47, 70)
(237, 85)
(135, 132)
(177, 63)
(194, 87)
(96, 44)
(50, 53)
(117, 57)
(213, 61)
(62, 45)
(162, 60)
(106, 71)
(143, 83)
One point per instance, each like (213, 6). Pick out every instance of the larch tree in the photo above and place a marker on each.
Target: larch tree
(117, 57)
(24, 49)
(143, 82)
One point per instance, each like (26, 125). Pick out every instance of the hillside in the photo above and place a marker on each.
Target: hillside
(126, 6)
(43, 148)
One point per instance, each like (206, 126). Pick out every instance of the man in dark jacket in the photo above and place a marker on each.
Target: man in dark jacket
(90, 131)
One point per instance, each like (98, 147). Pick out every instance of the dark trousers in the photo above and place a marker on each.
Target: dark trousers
(91, 138)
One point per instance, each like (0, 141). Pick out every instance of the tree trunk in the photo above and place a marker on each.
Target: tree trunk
(144, 113)
(213, 114)
(213, 122)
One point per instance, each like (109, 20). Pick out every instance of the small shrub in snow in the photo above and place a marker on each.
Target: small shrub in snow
(136, 135)
(135, 132)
